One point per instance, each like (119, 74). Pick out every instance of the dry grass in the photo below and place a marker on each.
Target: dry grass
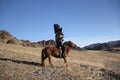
(19, 63)
(101, 59)
(20, 49)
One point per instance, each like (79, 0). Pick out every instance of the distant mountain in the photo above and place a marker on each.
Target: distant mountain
(103, 46)
(7, 38)
(114, 43)
(92, 46)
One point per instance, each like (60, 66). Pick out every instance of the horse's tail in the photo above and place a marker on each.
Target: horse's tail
(43, 56)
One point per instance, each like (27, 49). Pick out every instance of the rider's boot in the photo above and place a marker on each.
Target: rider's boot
(63, 51)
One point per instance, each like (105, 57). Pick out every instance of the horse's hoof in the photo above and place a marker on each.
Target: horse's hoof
(43, 65)
(66, 65)
(52, 67)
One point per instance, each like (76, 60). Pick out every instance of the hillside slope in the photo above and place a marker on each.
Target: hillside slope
(24, 63)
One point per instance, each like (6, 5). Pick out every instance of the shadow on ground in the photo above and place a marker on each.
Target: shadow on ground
(23, 62)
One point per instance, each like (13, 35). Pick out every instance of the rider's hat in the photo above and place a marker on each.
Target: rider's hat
(57, 28)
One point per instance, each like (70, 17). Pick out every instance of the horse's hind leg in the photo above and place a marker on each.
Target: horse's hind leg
(43, 61)
(43, 57)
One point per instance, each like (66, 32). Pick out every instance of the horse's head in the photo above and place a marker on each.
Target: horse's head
(71, 44)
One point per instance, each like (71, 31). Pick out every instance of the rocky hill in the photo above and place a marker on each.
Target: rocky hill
(103, 46)
(6, 37)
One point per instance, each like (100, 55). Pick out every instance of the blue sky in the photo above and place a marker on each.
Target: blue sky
(83, 21)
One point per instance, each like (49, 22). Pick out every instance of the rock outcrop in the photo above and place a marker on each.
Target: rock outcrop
(6, 37)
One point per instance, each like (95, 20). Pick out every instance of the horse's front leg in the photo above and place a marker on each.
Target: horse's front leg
(50, 61)
(65, 62)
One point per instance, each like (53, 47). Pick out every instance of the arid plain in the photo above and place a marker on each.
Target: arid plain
(24, 63)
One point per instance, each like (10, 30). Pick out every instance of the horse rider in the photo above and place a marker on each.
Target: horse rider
(59, 40)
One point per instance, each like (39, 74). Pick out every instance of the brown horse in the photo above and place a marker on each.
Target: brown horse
(50, 51)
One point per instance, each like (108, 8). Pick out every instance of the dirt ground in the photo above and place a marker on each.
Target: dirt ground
(24, 63)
